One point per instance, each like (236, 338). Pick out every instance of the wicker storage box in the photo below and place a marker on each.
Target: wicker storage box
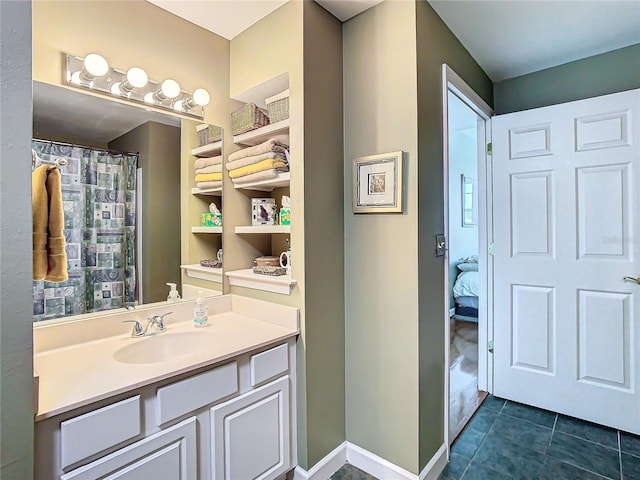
(208, 134)
(267, 261)
(278, 106)
(247, 118)
(271, 271)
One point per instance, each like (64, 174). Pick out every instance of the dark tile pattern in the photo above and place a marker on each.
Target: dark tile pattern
(349, 472)
(468, 442)
(530, 414)
(630, 444)
(493, 403)
(455, 468)
(589, 431)
(581, 453)
(557, 470)
(508, 440)
(630, 467)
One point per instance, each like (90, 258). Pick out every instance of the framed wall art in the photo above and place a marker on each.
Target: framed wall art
(377, 183)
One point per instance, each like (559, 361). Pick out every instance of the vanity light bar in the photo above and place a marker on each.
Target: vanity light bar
(94, 73)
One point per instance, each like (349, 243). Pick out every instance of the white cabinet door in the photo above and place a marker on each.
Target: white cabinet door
(566, 188)
(166, 455)
(251, 434)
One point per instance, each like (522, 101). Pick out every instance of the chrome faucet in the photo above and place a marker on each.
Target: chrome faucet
(156, 320)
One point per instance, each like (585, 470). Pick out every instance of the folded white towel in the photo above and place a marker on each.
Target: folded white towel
(206, 162)
(210, 169)
(271, 145)
(263, 175)
(205, 185)
(244, 161)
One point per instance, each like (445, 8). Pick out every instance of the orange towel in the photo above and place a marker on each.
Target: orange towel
(49, 255)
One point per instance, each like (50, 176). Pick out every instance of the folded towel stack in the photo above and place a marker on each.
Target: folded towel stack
(208, 172)
(259, 162)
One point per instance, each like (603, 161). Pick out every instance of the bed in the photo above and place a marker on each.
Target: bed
(466, 290)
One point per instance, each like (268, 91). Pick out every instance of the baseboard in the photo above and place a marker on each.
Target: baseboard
(371, 464)
(375, 465)
(326, 467)
(436, 465)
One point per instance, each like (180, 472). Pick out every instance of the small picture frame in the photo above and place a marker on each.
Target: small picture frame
(469, 201)
(377, 183)
(263, 211)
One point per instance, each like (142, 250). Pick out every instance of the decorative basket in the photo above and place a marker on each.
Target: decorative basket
(278, 106)
(211, 263)
(267, 261)
(247, 118)
(271, 271)
(208, 134)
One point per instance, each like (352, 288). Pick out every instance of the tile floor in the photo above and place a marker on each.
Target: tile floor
(508, 440)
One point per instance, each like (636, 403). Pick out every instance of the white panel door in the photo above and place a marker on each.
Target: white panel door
(167, 455)
(251, 435)
(566, 233)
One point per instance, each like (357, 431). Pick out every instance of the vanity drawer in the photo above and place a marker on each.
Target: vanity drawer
(195, 392)
(269, 364)
(95, 431)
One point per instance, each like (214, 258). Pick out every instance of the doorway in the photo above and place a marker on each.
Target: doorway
(467, 271)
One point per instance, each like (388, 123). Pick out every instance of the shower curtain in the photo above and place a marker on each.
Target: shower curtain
(98, 193)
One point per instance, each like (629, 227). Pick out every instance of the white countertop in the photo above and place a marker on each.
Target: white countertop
(74, 375)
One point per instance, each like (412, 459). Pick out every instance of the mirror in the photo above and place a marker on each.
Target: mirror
(122, 201)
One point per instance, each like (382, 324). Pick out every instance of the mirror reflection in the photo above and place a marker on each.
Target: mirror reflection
(117, 172)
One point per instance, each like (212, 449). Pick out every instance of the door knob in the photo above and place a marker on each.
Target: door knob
(632, 279)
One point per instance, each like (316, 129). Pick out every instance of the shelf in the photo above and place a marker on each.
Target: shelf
(264, 90)
(211, 150)
(279, 130)
(216, 192)
(206, 229)
(263, 229)
(282, 180)
(203, 273)
(246, 278)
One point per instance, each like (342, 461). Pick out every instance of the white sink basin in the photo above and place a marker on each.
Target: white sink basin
(163, 347)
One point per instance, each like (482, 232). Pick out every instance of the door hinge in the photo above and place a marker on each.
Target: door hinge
(491, 346)
(489, 148)
(490, 249)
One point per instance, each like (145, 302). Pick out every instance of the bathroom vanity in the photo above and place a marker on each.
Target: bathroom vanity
(189, 403)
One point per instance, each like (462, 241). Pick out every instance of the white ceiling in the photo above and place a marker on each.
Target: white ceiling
(507, 38)
(228, 18)
(511, 38)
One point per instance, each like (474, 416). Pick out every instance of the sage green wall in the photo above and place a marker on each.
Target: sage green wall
(610, 72)
(16, 304)
(324, 231)
(381, 271)
(159, 147)
(436, 45)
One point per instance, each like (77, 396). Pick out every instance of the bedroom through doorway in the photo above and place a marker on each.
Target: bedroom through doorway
(463, 264)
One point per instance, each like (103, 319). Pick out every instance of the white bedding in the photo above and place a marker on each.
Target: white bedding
(467, 285)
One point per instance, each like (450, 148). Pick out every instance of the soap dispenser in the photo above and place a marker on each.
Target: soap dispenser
(200, 311)
(174, 296)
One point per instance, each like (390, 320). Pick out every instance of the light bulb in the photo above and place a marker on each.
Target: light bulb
(170, 88)
(177, 106)
(96, 65)
(201, 97)
(149, 97)
(137, 77)
(75, 77)
(115, 88)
